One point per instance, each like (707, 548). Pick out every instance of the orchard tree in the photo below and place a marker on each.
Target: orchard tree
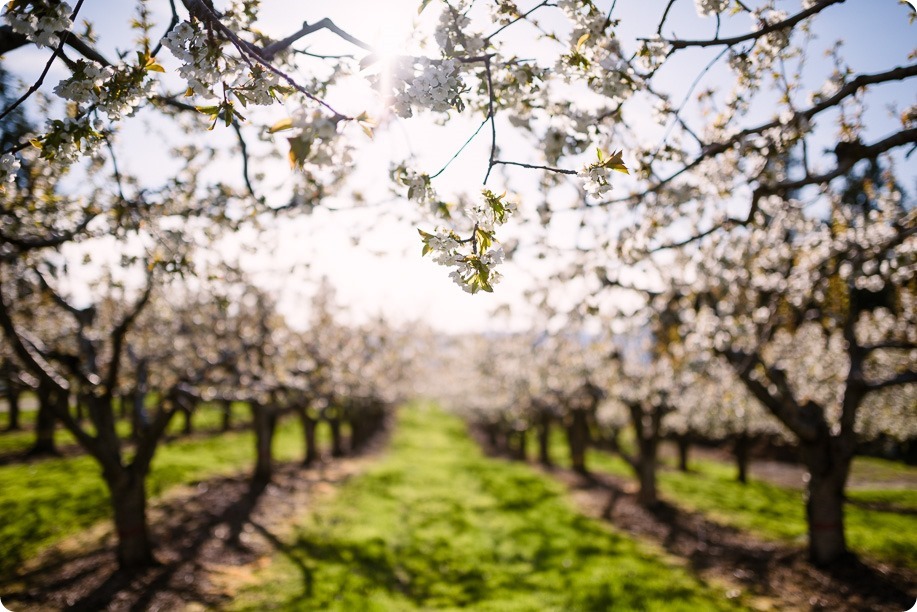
(817, 319)
(715, 406)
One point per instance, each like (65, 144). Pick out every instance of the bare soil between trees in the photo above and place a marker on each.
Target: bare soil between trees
(777, 576)
(210, 537)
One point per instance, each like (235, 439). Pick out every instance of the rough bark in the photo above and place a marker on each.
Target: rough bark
(684, 446)
(265, 423)
(544, 439)
(578, 440)
(46, 421)
(646, 474)
(226, 423)
(12, 400)
(741, 450)
(337, 444)
(309, 424)
(188, 423)
(128, 498)
(829, 466)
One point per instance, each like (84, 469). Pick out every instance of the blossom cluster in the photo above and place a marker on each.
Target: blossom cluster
(316, 141)
(475, 258)
(652, 53)
(39, 22)
(452, 35)
(595, 175)
(420, 189)
(596, 56)
(114, 90)
(66, 140)
(705, 8)
(425, 84)
(204, 64)
(9, 167)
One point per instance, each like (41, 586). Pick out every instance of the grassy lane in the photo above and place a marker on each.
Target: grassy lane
(436, 525)
(777, 512)
(43, 502)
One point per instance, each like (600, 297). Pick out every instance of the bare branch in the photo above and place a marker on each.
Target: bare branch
(787, 23)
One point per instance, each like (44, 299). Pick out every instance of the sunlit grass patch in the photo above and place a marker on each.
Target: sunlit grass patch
(436, 525)
(43, 502)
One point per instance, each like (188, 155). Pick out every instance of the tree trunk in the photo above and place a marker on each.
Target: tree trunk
(12, 399)
(139, 418)
(265, 423)
(309, 425)
(188, 427)
(519, 450)
(337, 446)
(128, 498)
(646, 474)
(124, 405)
(544, 439)
(684, 445)
(45, 422)
(741, 450)
(227, 415)
(828, 468)
(578, 440)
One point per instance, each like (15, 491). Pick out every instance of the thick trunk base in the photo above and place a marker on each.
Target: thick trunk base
(134, 548)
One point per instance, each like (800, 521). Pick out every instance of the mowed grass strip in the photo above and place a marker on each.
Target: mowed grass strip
(44, 502)
(436, 525)
(874, 527)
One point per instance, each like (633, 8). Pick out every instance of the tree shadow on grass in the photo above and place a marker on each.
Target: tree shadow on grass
(212, 527)
(769, 569)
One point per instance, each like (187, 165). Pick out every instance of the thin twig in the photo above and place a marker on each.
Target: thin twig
(41, 79)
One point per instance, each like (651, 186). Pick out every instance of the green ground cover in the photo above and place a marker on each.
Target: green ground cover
(778, 512)
(42, 502)
(436, 525)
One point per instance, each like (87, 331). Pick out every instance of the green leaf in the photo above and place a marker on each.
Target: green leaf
(423, 5)
(616, 162)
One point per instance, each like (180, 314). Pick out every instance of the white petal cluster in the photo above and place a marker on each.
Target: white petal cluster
(66, 140)
(705, 8)
(452, 34)
(595, 179)
(652, 53)
(204, 64)
(9, 166)
(425, 84)
(115, 90)
(319, 137)
(39, 21)
(420, 188)
(474, 259)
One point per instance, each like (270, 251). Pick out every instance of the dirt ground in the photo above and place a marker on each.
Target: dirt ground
(210, 537)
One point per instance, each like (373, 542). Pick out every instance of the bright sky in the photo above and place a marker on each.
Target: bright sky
(383, 272)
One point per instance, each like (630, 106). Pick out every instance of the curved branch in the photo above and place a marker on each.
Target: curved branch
(899, 73)
(787, 23)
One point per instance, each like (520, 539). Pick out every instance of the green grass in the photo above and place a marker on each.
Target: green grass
(41, 503)
(778, 512)
(436, 525)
